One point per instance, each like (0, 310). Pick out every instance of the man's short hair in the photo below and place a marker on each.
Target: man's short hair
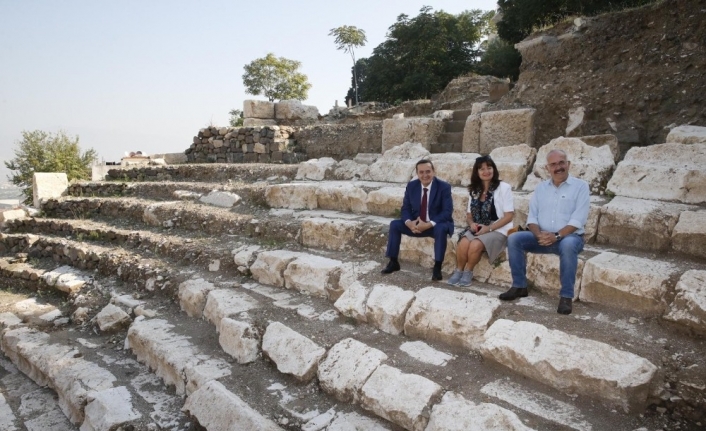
(557, 150)
(424, 162)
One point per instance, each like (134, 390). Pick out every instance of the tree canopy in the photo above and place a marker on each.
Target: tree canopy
(39, 151)
(236, 118)
(348, 38)
(275, 78)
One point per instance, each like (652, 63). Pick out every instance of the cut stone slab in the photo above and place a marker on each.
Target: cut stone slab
(244, 256)
(65, 278)
(240, 340)
(640, 223)
(404, 399)
(294, 110)
(366, 158)
(350, 170)
(689, 234)
(48, 185)
(312, 274)
(258, 109)
(220, 199)
(543, 273)
(347, 367)
(343, 197)
(687, 135)
(386, 307)
(602, 140)
(689, 305)
(456, 318)
(514, 163)
(454, 168)
(646, 173)
(315, 169)
(259, 122)
(270, 265)
(222, 303)
(9, 215)
(571, 364)
(455, 413)
(193, 294)
(218, 409)
(292, 352)
(355, 422)
(327, 233)
(425, 131)
(352, 302)
(385, 201)
(292, 195)
(423, 352)
(397, 165)
(506, 128)
(420, 251)
(109, 409)
(471, 134)
(112, 318)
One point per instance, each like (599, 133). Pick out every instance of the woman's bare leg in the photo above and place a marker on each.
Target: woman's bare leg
(474, 251)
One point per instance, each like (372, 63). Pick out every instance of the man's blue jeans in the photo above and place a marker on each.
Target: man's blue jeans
(567, 249)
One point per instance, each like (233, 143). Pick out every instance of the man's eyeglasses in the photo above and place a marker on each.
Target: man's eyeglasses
(559, 164)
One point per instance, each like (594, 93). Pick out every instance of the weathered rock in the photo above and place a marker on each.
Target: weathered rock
(245, 256)
(506, 128)
(421, 252)
(366, 158)
(346, 368)
(385, 201)
(386, 307)
(355, 422)
(352, 302)
(327, 233)
(222, 303)
(471, 134)
(454, 168)
(687, 135)
(543, 273)
(456, 318)
(343, 197)
(112, 318)
(689, 234)
(312, 274)
(258, 109)
(571, 364)
(294, 110)
(292, 352)
(221, 199)
(397, 165)
(425, 131)
(292, 195)
(192, 296)
(48, 185)
(575, 121)
(109, 409)
(239, 339)
(315, 169)
(689, 305)
(350, 170)
(7, 215)
(646, 173)
(602, 140)
(259, 122)
(186, 195)
(455, 413)
(514, 163)
(404, 399)
(65, 278)
(270, 265)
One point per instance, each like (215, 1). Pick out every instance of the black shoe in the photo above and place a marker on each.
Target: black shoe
(564, 306)
(392, 266)
(436, 272)
(513, 293)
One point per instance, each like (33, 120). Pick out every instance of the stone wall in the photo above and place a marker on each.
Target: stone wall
(339, 141)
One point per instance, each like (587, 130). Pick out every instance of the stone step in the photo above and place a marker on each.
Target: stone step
(461, 114)
(444, 147)
(455, 126)
(451, 138)
(212, 172)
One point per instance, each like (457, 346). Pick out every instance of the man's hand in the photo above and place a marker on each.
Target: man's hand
(546, 238)
(418, 226)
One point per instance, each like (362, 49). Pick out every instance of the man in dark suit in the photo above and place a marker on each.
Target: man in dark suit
(426, 212)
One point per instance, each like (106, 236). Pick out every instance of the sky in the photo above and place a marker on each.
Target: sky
(147, 75)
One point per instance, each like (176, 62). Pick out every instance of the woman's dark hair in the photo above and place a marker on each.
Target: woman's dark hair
(476, 185)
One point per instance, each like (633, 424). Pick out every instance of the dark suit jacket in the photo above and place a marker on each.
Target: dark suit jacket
(440, 203)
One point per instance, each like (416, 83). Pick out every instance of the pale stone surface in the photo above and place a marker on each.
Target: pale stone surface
(444, 114)
(48, 185)
(355, 422)
(386, 307)
(454, 168)
(424, 131)
(385, 201)
(240, 340)
(8, 215)
(420, 251)
(602, 140)
(220, 199)
(506, 128)
(471, 134)
(108, 409)
(192, 296)
(65, 278)
(258, 109)
(186, 195)
(315, 169)
(514, 163)
(328, 233)
(112, 318)
(455, 413)
(591, 164)
(456, 318)
(350, 170)
(294, 110)
(9, 320)
(366, 158)
(347, 366)
(460, 197)
(479, 107)
(352, 302)
(270, 265)
(245, 255)
(292, 195)
(575, 121)
(571, 364)
(218, 409)
(258, 122)
(689, 234)
(629, 282)
(543, 273)
(222, 303)
(292, 352)
(343, 197)
(647, 173)
(312, 274)
(689, 305)
(687, 135)
(423, 352)
(638, 223)
(404, 399)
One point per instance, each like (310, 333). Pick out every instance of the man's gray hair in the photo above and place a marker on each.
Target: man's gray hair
(562, 152)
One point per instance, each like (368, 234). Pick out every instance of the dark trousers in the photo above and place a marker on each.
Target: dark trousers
(398, 228)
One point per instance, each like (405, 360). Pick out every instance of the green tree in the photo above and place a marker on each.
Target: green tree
(500, 59)
(275, 78)
(348, 38)
(358, 74)
(39, 151)
(236, 118)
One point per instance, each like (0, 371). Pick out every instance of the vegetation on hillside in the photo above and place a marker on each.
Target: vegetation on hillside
(275, 78)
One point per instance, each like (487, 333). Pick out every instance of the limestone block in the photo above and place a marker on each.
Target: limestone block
(454, 168)
(218, 409)
(220, 199)
(312, 274)
(455, 413)
(514, 163)
(420, 251)
(689, 234)
(65, 278)
(192, 296)
(222, 303)
(344, 197)
(8, 215)
(687, 135)
(386, 307)
(366, 158)
(315, 169)
(258, 109)
(575, 122)
(444, 114)
(9, 320)
(471, 134)
(294, 110)
(112, 318)
(591, 164)
(496, 273)
(404, 399)
(350, 274)
(270, 265)
(667, 172)
(239, 339)
(506, 128)
(350, 170)
(48, 185)
(109, 409)
(292, 352)
(689, 305)
(355, 422)
(186, 195)
(347, 366)
(327, 233)
(245, 256)
(425, 131)
(258, 122)
(602, 140)
(543, 273)
(460, 198)
(292, 195)
(629, 282)
(175, 158)
(352, 303)
(456, 318)
(640, 223)
(385, 201)
(571, 364)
